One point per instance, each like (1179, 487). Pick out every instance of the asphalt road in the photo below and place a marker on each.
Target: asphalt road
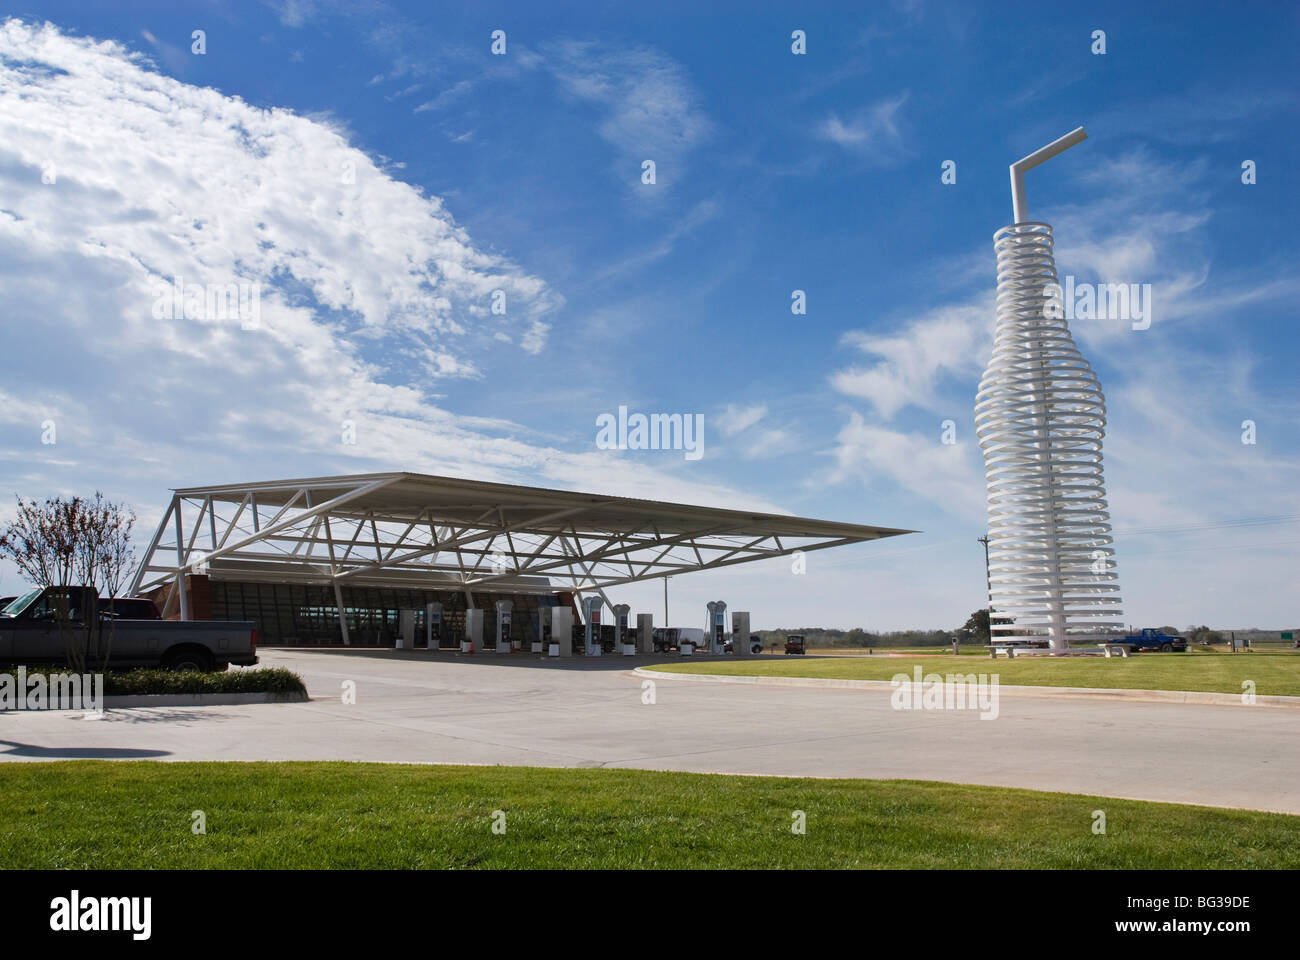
(519, 709)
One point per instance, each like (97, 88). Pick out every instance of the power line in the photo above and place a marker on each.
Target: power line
(1208, 525)
(1217, 548)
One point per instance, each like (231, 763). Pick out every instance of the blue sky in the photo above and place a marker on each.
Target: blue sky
(774, 172)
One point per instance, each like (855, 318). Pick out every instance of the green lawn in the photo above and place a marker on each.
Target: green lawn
(1274, 673)
(965, 649)
(116, 815)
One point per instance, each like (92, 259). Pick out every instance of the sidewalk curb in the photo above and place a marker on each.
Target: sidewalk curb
(1046, 693)
(200, 699)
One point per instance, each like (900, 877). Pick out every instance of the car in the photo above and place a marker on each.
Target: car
(128, 608)
(755, 645)
(32, 633)
(672, 638)
(794, 645)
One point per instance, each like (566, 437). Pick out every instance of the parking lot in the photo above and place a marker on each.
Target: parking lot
(520, 709)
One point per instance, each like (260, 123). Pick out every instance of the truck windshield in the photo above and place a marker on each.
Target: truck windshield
(21, 604)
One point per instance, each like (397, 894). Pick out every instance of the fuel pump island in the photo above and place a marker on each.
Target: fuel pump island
(552, 634)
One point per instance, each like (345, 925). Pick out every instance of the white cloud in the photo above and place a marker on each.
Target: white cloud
(212, 190)
(293, 13)
(734, 419)
(534, 338)
(699, 215)
(873, 132)
(950, 340)
(650, 109)
(945, 474)
(176, 58)
(458, 89)
(405, 92)
(368, 292)
(445, 365)
(769, 443)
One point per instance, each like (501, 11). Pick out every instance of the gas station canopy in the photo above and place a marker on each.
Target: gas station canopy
(407, 529)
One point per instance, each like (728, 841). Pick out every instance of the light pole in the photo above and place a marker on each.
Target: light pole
(988, 585)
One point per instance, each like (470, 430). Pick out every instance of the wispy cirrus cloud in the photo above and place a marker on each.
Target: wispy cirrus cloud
(734, 419)
(458, 89)
(649, 108)
(874, 133)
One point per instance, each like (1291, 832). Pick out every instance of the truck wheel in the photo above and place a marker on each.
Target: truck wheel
(186, 660)
(1166, 648)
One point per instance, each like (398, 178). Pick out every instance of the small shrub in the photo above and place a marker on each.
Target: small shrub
(150, 681)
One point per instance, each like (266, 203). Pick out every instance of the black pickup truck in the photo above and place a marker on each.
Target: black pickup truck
(30, 634)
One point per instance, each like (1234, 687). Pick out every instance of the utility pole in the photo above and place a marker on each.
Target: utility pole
(988, 584)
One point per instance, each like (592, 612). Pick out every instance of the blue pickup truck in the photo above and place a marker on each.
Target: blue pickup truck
(1152, 639)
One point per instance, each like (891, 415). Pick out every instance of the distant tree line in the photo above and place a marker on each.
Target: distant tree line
(857, 637)
(974, 630)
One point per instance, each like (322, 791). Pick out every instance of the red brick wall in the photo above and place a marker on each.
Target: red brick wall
(199, 594)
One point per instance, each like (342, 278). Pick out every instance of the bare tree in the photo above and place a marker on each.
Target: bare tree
(108, 558)
(75, 544)
(39, 542)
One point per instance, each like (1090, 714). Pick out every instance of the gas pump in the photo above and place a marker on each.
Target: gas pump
(740, 643)
(543, 630)
(645, 632)
(620, 627)
(473, 641)
(433, 626)
(562, 631)
(716, 630)
(504, 612)
(405, 630)
(591, 607)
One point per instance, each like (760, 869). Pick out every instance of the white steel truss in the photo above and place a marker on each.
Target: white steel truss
(413, 530)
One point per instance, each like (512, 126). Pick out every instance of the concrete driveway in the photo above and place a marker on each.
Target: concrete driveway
(412, 707)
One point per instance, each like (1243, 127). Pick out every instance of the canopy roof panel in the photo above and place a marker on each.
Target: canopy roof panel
(416, 528)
